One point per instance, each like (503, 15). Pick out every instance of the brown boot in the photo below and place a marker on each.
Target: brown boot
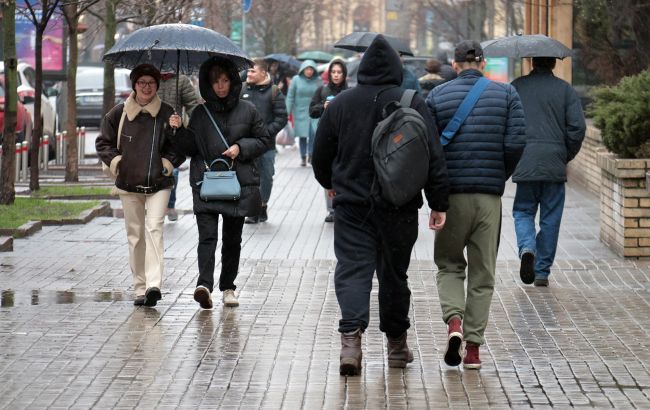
(399, 353)
(350, 353)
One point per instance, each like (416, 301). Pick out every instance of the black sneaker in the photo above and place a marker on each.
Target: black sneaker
(152, 296)
(527, 268)
(263, 215)
(541, 282)
(252, 220)
(329, 217)
(138, 301)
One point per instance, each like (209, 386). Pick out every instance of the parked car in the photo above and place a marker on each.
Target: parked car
(24, 125)
(90, 92)
(27, 93)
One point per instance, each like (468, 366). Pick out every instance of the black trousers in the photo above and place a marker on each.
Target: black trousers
(208, 224)
(366, 241)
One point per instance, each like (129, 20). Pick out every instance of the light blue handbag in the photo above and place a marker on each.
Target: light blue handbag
(219, 185)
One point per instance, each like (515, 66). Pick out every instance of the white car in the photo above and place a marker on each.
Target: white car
(27, 90)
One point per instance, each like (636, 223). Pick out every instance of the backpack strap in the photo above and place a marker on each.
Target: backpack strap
(463, 111)
(407, 98)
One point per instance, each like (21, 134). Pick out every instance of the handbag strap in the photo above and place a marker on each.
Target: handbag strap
(215, 126)
(463, 111)
(208, 167)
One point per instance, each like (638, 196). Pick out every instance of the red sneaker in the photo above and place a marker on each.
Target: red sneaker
(453, 354)
(471, 360)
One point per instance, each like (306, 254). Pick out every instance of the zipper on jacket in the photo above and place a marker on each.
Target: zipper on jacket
(153, 144)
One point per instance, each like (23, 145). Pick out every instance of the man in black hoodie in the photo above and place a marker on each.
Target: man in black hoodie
(369, 234)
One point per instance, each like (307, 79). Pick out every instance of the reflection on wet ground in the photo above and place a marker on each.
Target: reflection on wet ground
(11, 298)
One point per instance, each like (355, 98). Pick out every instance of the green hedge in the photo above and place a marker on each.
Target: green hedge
(622, 113)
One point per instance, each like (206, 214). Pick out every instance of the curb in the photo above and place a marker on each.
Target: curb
(30, 227)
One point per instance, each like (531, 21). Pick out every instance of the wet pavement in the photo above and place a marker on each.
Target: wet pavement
(71, 338)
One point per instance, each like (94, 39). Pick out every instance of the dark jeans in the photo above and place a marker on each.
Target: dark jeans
(172, 196)
(208, 224)
(265, 165)
(366, 241)
(549, 198)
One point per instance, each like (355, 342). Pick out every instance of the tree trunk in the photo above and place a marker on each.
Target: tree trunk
(72, 151)
(38, 123)
(8, 171)
(109, 72)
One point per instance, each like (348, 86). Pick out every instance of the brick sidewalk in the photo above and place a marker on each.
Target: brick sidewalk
(71, 338)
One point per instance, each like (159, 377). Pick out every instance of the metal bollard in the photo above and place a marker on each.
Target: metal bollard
(46, 151)
(82, 148)
(64, 147)
(59, 144)
(19, 161)
(25, 158)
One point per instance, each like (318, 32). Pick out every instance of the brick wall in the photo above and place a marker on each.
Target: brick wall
(624, 205)
(584, 168)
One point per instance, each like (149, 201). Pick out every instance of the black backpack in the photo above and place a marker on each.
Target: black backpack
(400, 152)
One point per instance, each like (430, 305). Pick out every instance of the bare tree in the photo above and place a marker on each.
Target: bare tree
(72, 11)
(614, 37)
(278, 22)
(8, 171)
(39, 13)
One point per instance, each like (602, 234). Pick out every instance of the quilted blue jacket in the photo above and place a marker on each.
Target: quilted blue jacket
(487, 147)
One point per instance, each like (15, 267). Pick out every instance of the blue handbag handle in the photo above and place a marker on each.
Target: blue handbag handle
(220, 160)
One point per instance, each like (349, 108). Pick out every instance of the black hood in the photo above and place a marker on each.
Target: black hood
(380, 64)
(208, 94)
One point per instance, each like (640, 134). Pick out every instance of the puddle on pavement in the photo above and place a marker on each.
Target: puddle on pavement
(10, 298)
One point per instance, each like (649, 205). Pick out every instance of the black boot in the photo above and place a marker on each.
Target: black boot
(263, 215)
(350, 364)
(399, 353)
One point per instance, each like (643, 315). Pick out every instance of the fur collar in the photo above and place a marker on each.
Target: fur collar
(132, 107)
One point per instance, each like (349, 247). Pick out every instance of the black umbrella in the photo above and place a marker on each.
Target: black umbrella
(284, 58)
(360, 41)
(180, 48)
(533, 45)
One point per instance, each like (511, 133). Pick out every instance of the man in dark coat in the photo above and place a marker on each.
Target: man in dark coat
(555, 128)
(269, 102)
(369, 234)
(480, 158)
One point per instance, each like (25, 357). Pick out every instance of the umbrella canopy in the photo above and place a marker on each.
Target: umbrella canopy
(533, 45)
(317, 56)
(284, 58)
(180, 48)
(360, 41)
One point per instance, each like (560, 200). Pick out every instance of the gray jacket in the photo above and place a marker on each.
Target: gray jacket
(555, 127)
(187, 95)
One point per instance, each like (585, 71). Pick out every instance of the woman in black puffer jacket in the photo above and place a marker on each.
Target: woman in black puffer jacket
(244, 129)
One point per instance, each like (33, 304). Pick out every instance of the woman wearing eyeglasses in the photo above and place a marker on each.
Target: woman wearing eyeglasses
(133, 144)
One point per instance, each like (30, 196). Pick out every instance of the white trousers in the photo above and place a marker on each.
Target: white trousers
(144, 217)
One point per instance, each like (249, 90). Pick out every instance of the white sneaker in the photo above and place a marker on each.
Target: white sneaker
(229, 298)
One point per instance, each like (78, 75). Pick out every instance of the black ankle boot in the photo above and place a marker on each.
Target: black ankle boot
(263, 215)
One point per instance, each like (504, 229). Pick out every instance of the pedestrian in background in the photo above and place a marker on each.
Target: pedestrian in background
(409, 80)
(336, 82)
(555, 128)
(185, 99)
(371, 235)
(480, 158)
(432, 78)
(301, 90)
(247, 137)
(130, 132)
(269, 102)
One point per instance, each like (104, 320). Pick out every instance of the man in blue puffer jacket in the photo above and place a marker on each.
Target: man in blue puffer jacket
(480, 158)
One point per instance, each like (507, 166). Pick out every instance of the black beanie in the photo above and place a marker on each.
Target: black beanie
(145, 69)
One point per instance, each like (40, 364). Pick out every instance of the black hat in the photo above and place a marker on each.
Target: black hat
(468, 51)
(144, 69)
